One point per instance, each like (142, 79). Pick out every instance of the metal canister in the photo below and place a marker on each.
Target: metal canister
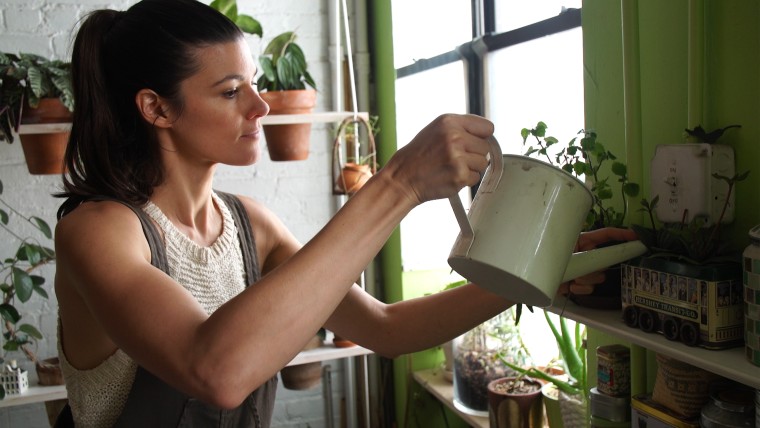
(751, 280)
(613, 370)
(729, 407)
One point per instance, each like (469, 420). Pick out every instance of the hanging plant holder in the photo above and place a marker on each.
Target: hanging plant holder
(350, 168)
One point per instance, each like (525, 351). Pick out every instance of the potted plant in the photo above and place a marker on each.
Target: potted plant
(515, 402)
(572, 385)
(246, 23)
(19, 284)
(35, 90)
(690, 282)
(351, 174)
(283, 85)
(588, 158)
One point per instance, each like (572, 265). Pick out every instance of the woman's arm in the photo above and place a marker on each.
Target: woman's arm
(104, 268)
(420, 323)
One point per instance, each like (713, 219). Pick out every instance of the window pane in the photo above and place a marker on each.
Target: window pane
(540, 80)
(429, 231)
(512, 14)
(420, 33)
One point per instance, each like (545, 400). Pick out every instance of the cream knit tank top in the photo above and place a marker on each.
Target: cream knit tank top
(213, 275)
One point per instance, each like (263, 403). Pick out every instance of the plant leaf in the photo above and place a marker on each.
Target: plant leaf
(9, 313)
(22, 284)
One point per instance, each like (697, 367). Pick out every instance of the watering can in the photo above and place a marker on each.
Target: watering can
(522, 227)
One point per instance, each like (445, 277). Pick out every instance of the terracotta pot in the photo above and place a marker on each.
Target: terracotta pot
(289, 142)
(302, 376)
(49, 372)
(515, 409)
(353, 177)
(44, 152)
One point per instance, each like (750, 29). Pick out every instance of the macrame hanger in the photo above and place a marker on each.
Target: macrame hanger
(352, 78)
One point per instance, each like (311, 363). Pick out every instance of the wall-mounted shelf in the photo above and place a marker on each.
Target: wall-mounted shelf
(38, 394)
(729, 363)
(276, 119)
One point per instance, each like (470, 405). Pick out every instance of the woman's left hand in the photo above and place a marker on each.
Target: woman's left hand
(588, 241)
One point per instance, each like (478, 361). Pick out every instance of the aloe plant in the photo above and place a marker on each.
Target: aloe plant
(572, 352)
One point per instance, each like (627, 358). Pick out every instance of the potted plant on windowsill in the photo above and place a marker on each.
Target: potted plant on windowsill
(572, 385)
(19, 284)
(588, 158)
(35, 90)
(283, 85)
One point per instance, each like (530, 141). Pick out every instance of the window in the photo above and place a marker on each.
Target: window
(513, 62)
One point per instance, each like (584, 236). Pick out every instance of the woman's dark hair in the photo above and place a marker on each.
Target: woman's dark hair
(112, 151)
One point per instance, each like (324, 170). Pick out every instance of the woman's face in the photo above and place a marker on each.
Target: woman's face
(221, 117)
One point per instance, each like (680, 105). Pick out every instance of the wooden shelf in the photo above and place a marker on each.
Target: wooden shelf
(432, 380)
(277, 119)
(729, 363)
(328, 352)
(35, 394)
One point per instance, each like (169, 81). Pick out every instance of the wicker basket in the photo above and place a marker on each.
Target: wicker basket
(681, 387)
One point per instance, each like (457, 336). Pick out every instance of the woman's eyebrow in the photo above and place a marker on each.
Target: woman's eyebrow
(228, 77)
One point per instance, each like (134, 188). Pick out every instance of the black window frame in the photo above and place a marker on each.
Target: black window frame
(485, 40)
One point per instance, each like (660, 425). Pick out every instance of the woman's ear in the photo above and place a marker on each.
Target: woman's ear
(153, 108)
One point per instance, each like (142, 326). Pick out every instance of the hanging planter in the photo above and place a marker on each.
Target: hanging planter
(44, 152)
(291, 141)
(351, 169)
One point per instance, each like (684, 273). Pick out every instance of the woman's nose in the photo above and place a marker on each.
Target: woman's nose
(258, 107)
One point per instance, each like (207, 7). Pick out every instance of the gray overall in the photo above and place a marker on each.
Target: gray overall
(153, 403)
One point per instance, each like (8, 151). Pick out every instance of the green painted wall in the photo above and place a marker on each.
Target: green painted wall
(654, 69)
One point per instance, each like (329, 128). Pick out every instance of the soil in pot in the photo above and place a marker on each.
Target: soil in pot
(515, 402)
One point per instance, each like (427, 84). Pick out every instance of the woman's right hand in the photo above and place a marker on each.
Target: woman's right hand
(447, 155)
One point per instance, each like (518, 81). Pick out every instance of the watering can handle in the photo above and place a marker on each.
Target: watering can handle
(487, 185)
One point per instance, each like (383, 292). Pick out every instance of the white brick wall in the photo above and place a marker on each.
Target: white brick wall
(297, 191)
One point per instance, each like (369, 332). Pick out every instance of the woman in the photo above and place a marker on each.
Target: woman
(158, 326)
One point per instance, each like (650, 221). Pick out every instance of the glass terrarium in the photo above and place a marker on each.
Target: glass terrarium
(478, 358)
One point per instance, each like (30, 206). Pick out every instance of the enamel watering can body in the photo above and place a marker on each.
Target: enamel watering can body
(522, 227)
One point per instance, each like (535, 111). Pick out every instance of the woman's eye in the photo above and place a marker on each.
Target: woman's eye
(231, 93)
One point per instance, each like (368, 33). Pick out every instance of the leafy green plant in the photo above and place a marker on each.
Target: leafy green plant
(572, 354)
(24, 80)
(283, 65)
(19, 283)
(246, 23)
(587, 157)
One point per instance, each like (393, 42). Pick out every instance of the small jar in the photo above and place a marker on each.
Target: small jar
(729, 407)
(751, 267)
